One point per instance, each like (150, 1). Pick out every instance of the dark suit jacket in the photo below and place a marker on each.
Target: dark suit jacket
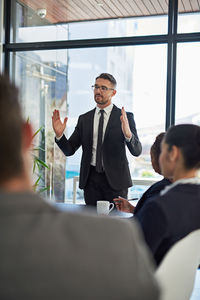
(168, 218)
(46, 254)
(114, 153)
(153, 190)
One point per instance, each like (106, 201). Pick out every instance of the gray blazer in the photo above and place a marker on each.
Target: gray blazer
(46, 254)
(114, 148)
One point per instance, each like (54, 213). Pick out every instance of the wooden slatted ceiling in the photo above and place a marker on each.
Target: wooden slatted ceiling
(189, 5)
(63, 11)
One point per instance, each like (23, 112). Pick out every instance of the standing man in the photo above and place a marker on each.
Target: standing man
(103, 134)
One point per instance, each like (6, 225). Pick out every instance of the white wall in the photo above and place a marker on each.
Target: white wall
(1, 33)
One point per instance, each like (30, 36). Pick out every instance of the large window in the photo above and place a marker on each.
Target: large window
(62, 79)
(141, 75)
(187, 92)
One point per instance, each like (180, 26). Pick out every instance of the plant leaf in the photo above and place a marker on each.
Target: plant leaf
(43, 189)
(38, 148)
(37, 131)
(41, 162)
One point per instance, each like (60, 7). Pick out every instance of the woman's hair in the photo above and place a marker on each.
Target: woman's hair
(155, 148)
(155, 152)
(187, 138)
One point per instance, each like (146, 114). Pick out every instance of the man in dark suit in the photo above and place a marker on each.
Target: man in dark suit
(104, 171)
(49, 254)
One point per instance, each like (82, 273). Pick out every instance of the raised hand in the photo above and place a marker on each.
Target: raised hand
(123, 205)
(58, 126)
(125, 125)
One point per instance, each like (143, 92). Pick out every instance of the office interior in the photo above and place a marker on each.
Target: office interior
(53, 50)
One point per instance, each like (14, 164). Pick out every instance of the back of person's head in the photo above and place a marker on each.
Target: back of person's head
(11, 123)
(155, 152)
(187, 138)
(109, 77)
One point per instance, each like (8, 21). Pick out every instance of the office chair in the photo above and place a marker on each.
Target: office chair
(176, 273)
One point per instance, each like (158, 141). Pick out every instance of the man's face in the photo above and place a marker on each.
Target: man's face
(102, 97)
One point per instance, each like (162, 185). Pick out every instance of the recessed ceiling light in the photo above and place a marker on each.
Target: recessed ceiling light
(100, 4)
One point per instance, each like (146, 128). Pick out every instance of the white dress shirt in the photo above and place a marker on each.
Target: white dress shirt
(106, 115)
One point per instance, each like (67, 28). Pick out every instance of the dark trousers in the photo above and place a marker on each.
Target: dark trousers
(98, 188)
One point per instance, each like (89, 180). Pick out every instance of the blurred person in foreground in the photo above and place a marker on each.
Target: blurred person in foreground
(170, 216)
(49, 254)
(154, 190)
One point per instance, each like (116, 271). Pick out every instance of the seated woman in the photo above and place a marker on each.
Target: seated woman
(154, 190)
(167, 218)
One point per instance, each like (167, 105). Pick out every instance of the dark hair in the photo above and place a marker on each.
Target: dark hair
(11, 123)
(109, 77)
(187, 138)
(155, 148)
(155, 152)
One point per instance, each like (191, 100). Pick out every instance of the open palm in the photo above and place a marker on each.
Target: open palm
(58, 125)
(125, 125)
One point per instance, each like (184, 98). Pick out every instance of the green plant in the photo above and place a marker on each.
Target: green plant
(38, 165)
(147, 174)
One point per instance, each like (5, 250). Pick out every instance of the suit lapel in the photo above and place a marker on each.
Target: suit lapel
(91, 124)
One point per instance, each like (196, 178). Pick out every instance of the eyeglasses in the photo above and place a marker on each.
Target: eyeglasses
(102, 88)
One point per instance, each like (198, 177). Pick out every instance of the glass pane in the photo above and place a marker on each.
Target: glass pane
(189, 16)
(187, 86)
(119, 28)
(42, 78)
(141, 88)
(56, 22)
(62, 79)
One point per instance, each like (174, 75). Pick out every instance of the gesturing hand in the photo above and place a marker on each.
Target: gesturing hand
(58, 126)
(125, 125)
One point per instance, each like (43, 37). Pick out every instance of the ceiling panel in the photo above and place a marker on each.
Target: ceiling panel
(63, 11)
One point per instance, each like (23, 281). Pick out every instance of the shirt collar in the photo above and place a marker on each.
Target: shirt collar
(193, 180)
(107, 109)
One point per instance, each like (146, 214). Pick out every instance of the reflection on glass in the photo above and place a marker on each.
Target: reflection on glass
(187, 86)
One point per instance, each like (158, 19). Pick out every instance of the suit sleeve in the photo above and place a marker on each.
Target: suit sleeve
(134, 146)
(69, 146)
